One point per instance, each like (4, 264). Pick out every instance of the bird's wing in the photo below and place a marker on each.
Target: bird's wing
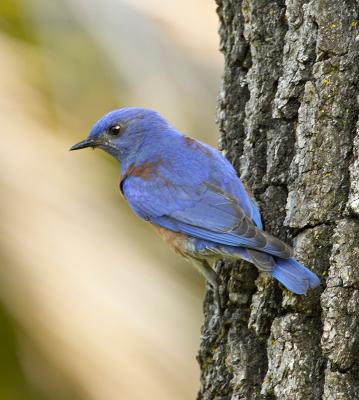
(203, 211)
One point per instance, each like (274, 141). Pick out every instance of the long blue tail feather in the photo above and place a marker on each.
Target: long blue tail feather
(294, 275)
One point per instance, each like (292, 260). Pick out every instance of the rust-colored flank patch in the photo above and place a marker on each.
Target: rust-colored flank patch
(178, 241)
(146, 170)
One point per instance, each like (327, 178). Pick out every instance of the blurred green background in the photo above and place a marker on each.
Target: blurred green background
(92, 304)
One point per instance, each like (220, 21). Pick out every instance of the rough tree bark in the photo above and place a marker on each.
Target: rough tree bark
(288, 116)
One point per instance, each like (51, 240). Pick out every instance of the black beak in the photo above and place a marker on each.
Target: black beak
(83, 144)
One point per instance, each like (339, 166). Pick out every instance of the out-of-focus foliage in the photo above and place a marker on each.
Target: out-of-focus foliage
(94, 306)
(13, 383)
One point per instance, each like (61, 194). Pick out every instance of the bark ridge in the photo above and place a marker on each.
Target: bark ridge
(288, 117)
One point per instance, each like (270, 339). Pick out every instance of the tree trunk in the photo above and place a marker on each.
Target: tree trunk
(288, 116)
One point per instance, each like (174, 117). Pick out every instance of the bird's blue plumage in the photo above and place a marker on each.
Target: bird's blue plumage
(190, 189)
(206, 201)
(294, 275)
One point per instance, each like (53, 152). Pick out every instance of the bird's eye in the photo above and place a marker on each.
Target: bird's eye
(115, 130)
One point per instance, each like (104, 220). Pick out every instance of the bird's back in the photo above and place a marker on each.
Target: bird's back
(188, 162)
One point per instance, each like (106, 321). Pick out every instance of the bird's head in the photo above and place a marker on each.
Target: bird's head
(122, 131)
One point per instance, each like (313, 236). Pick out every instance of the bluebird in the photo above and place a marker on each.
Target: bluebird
(190, 193)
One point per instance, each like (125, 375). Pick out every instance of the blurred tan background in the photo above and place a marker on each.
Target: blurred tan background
(92, 304)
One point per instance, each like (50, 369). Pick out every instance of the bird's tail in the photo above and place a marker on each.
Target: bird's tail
(288, 271)
(294, 275)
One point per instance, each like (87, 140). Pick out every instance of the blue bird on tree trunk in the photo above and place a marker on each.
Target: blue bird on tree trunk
(192, 196)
